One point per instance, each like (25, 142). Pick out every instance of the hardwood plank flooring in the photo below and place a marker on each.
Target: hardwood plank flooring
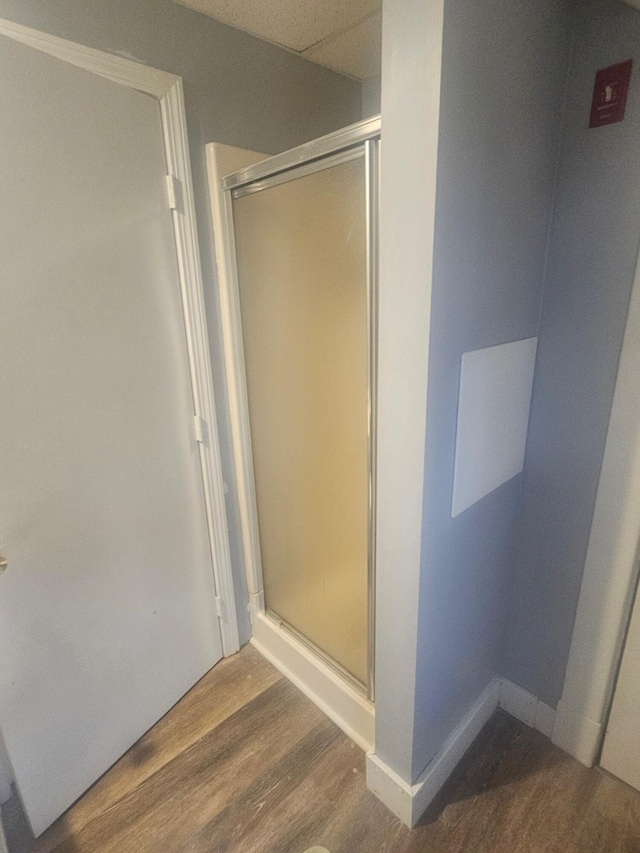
(246, 764)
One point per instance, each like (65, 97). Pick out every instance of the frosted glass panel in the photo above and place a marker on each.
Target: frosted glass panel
(301, 250)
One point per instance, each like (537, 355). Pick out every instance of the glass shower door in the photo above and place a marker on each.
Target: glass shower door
(301, 246)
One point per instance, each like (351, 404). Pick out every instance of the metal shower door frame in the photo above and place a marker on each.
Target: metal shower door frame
(358, 140)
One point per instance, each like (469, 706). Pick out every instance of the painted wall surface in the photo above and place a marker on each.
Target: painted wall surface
(593, 251)
(503, 72)
(5, 780)
(411, 61)
(371, 95)
(238, 90)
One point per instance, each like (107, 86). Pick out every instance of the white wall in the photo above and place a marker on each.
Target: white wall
(6, 778)
(461, 269)
(371, 94)
(412, 42)
(6, 775)
(5, 781)
(592, 257)
(503, 74)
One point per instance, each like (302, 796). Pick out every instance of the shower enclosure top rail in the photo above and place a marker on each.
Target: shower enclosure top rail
(354, 134)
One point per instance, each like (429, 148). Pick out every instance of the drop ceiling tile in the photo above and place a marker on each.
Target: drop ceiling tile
(296, 24)
(355, 51)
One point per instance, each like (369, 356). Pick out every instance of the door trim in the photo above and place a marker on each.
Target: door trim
(167, 89)
(611, 568)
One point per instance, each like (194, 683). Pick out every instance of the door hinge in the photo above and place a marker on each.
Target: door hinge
(174, 192)
(220, 608)
(199, 428)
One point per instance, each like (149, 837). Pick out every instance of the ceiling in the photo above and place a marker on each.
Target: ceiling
(344, 35)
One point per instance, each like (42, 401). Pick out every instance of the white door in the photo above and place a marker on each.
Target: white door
(107, 608)
(621, 750)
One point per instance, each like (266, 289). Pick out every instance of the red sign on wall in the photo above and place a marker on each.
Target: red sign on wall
(610, 94)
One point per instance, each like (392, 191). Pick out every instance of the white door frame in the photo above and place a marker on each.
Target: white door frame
(611, 566)
(167, 89)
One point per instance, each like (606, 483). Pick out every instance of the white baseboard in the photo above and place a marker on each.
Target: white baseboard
(409, 802)
(395, 793)
(576, 734)
(526, 707)
(341, 702)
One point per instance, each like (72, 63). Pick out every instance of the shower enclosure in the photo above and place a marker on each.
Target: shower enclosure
(301, 245)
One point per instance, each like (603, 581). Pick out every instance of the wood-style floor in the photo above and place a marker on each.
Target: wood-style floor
(246, 764)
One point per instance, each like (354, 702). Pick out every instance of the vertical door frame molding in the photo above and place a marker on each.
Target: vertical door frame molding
(235, 371)
(167, 90)
(611, 567)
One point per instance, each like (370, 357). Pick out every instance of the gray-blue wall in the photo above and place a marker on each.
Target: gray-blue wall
(593, 251)
(504, 65)
(238, 90)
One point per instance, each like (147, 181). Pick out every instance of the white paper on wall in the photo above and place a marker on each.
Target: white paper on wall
(493, 415)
